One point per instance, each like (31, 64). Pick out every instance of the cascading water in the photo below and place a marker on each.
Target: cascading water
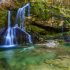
(20, 19)
(10, 37)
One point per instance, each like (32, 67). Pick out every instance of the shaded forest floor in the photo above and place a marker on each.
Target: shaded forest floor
(39, 58)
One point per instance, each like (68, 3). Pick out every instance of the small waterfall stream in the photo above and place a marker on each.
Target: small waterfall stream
(9, 38)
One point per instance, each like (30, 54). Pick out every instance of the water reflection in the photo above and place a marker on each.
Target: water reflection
(4, 64)
(9, 55)
(6, 58)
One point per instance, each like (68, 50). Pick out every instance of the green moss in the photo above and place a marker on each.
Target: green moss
(3, 19)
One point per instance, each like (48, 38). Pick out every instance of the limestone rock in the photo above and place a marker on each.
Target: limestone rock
(52, 43)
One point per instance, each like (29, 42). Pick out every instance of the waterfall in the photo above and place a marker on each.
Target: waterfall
(10, 37)
(10, 34)
(20, 19)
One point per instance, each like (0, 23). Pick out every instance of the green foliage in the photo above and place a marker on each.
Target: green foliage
(35, 29)
(43, 11)
(39, 9)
